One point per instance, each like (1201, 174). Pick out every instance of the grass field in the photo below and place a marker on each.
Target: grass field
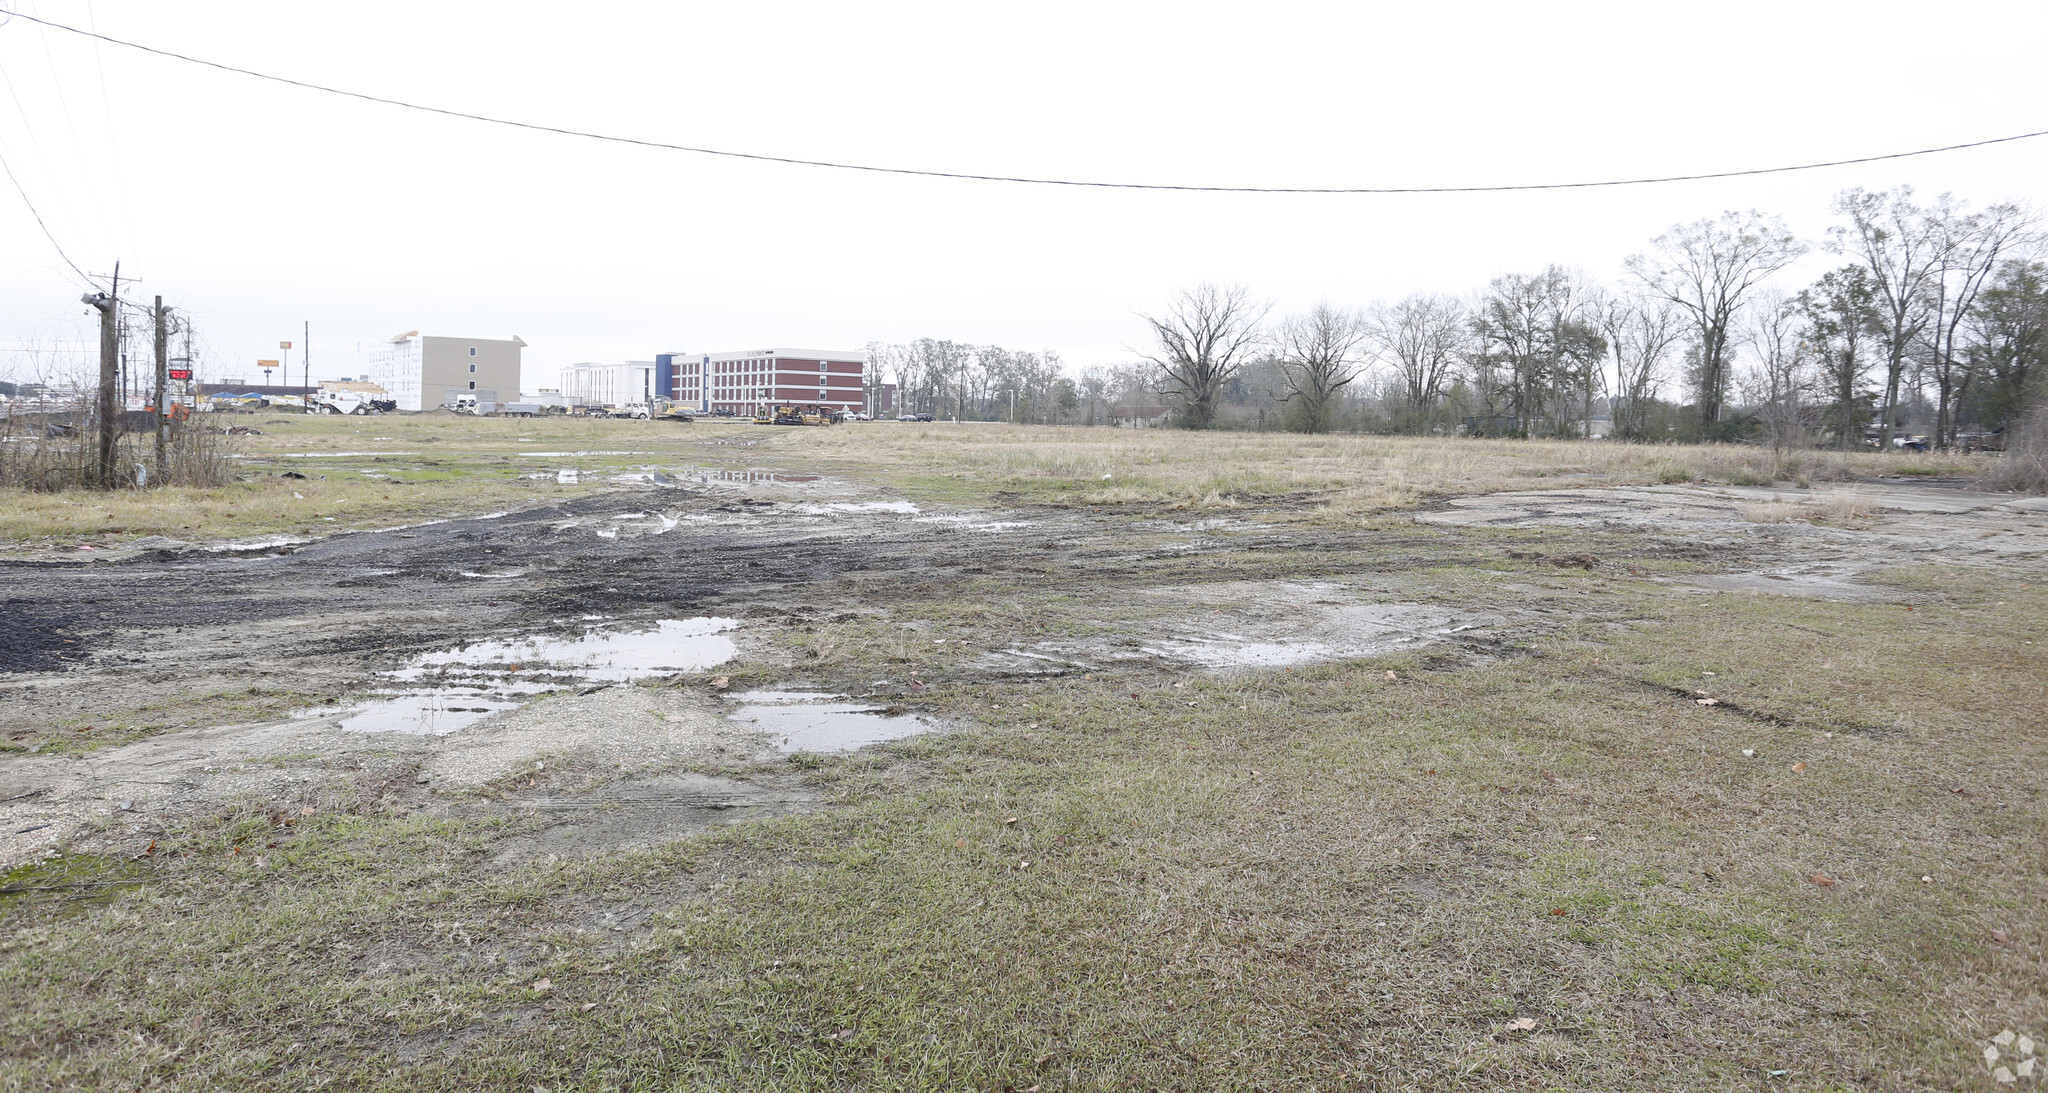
(383, 471)
(1556, 866)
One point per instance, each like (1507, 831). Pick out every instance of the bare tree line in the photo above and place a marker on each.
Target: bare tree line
(1935, 317)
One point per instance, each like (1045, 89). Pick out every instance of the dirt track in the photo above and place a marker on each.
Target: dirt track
(195, 661)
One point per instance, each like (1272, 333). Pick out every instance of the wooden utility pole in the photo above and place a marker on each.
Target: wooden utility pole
(108, 304)
(306, 359)
(163, 384)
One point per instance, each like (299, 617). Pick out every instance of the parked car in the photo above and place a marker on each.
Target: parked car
(924, 417)
(906, 417)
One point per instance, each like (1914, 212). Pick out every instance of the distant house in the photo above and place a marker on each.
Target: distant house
(1138, 417)
(422, 373)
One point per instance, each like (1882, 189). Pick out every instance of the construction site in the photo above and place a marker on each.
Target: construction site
(689, 756)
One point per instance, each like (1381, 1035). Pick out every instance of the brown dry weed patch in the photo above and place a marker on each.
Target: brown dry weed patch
(1346, 475)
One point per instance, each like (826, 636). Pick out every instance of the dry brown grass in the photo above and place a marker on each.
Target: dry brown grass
(358, 472)
(455, 465)
(1846, 508)
(2023, 467)
(1346, 475)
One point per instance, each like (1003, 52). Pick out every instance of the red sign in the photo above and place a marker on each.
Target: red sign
(179, 373)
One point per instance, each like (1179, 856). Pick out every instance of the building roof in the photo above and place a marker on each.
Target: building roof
(793, 354)
(411, 334)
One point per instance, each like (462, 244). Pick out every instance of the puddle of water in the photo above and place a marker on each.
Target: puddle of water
(651, 478)
(610, 656)
(1315, 631)
(810, 721)
(442, 692)
(568, 476)
(566, 455)
(428, 713)
(753, 476)
(903, 507)
(969, 523)
(782, 697)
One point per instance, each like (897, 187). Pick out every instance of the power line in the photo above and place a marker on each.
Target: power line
(961, 175)
(47, 234)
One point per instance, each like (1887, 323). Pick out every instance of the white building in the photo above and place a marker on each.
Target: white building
(611, 384)
(423, 373)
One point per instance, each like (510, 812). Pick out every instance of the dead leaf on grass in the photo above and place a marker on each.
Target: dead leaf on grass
(1998, 936)
(543, 984)
(1823, 880)
(1522, 1024)
(1799, 768)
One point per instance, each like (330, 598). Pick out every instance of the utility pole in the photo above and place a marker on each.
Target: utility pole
(108, 305)
(163, 382)
(306, 359)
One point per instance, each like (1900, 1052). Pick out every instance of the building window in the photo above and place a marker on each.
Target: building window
(472, 351)
(472, 368)
(472, 385)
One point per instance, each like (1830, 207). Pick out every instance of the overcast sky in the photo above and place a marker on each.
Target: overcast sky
(257, 207)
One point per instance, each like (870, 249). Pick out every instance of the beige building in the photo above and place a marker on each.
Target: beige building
(423, 372)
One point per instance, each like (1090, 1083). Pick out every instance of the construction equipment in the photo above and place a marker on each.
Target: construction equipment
(790, 414)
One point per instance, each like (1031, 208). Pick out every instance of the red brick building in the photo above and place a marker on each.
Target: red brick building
(749, 380)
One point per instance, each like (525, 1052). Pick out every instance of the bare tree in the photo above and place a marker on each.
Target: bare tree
(1424, 336)
(1536, 347)
(1204, 337)
(1319, 354)
(1640, 333)
(1905, 251)
(1778, 387)
(1973, 245)
(1708, 267)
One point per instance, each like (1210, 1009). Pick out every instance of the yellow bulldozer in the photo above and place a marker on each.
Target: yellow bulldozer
(796, 415)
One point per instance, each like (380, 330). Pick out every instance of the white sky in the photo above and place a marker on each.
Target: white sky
(257, 207)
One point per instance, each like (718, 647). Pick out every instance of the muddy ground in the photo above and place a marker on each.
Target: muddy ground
(139, 686)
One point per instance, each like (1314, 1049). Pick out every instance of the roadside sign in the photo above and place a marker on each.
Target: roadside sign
(266, 365)
(284, 345)
(179, 373)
